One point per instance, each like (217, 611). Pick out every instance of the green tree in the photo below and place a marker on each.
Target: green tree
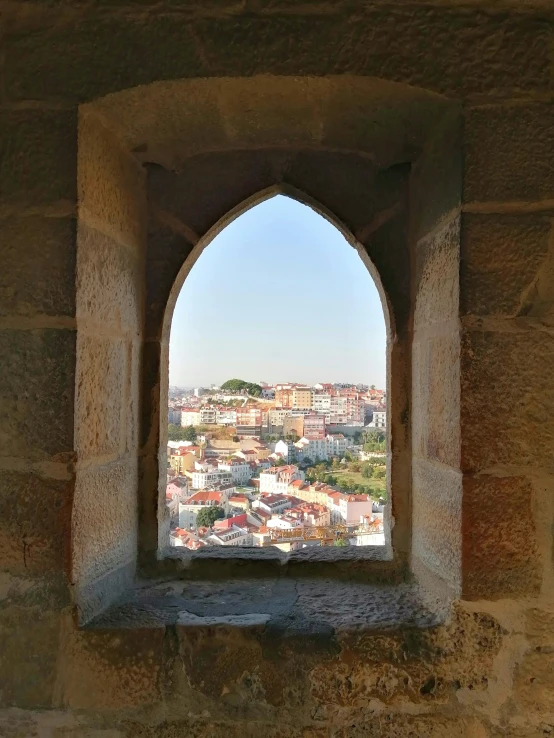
(307, 461)
(208, 515)
(177, 433)
(280, 462)
(367, 470)
(239, 385)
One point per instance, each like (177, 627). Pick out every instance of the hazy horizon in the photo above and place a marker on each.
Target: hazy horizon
(278, 295)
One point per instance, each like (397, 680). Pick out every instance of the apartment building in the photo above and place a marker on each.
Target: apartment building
(204, 478)
(302, 398)
(277, 478)
(190, 417)
(314, 426)
(239, 469)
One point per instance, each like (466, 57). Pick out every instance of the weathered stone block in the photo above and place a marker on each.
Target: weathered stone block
(436, 398)
(506, 398)
(35, 523)
(108, 53)
(500, 258)
(419, 665)
(437, 270)
(29, 640)
(509, 152)
(104, 669)
(308, 172)
(37, 267)
(104, 519)
(111, 185)
(109, 283)
(257, 116)
(533, 691)
(36, 393)
(191, 195)
(443, 51)
(38, 151)
(395, 725)
(100, 396)
(436, 514)
(500, 556)
(436, 181)
(387, 248)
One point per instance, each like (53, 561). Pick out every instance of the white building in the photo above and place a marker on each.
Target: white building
(348, 509)
(313, 448)
(273, 504)
(240, 470)
(190, 417)
(204, 478)
(206, 498)
(208, 416)
(379, 419)
(321, 402)
(233, 536)
(286, 449)
(276, 417)
(276, 479)
(226, 416)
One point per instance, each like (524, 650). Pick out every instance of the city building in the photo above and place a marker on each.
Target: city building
(239, 469)
(314, 426)
(206, 477)
(302, 398)
(277, 479)
(189, 510)
(379, 419)
(190, 416)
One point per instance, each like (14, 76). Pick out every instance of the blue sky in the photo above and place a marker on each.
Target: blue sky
(279, 295)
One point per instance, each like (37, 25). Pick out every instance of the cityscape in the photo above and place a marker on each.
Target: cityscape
(286, 465)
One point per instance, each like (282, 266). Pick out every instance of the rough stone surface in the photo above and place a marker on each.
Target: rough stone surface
(37, 267)
(109, 283)
(508, 153)
(39, 396)
(437, 503)
(506, 380)
(38, 151)
(26, 546)
(104, 523)
(501, 256)
(495, 562)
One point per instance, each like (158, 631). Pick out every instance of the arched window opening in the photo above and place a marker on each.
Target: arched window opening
(277, 401)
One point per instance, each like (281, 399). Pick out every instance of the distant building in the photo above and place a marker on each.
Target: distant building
(200, 500)
(314, 426)
(379, 419)
(204, 478)
(277, 479)
(249, 421)
(293, 425)
(239, 469)
(190, 417)
(287, 450)
(302, 398)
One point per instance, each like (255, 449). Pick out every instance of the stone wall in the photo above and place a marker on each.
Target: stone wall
(129, 133)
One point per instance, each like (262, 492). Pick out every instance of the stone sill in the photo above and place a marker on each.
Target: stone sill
(285, 607)
(366, 564)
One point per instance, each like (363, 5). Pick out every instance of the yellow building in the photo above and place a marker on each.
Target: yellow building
(182, 462)
(302, 398)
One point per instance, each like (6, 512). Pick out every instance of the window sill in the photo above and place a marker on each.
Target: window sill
(283, 607)
(367, 564)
